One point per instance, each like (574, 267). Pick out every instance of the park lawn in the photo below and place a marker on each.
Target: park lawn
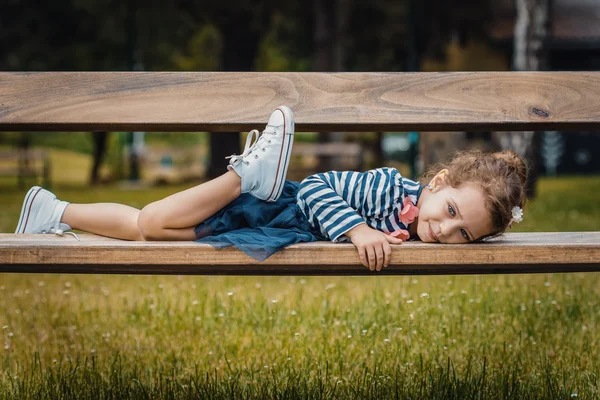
(494, 336)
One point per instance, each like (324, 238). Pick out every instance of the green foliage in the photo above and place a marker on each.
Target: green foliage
(203, 51)
(275, 53)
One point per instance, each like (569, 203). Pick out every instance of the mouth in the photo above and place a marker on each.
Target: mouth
(432, 235)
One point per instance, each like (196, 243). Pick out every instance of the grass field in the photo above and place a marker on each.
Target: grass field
(439, 337)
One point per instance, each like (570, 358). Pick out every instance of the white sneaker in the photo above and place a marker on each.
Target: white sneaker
(41, 213)
(263, 165)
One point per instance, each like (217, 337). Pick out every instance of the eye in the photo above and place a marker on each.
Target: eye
(451, 210)
(464, 234)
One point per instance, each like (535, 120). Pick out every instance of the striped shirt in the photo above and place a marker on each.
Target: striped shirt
(335, 202)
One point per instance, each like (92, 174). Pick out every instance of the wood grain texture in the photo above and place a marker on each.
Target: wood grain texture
(235, 101)
(512, 253)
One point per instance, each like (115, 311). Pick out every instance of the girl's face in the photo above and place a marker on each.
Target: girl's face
(452, 215)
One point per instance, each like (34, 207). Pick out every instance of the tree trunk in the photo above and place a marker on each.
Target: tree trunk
(531, 36)
(330, 25)
(239, 51)
(100, 139)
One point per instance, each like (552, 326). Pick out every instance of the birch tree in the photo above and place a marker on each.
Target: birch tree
(531, 35)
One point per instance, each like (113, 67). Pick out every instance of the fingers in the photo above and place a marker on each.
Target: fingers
(362, 254)
(393, 240)
(380, 253)
(375, 257)
(374, 251)
(372, 258)
(387, 254)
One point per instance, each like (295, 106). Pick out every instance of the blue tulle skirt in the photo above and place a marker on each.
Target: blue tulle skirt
(257, 227)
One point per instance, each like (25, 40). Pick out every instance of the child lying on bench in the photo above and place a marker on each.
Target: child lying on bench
(253, 207)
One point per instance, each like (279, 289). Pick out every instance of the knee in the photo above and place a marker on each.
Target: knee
(149, 223)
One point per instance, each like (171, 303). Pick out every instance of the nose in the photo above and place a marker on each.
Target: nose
(448, 227)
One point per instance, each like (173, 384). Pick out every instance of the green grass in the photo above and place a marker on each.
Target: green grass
(493, 336)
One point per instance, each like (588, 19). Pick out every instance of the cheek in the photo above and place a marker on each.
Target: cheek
(429, 211)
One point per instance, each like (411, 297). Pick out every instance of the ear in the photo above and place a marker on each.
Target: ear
(439, 180)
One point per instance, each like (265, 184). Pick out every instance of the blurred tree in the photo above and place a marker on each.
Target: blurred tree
(532, 33)
(100, 140)
(241, 28)
(449, 27)
(329, 34)
(203, 51)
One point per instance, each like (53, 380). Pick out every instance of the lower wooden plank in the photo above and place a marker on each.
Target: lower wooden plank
(512, 253)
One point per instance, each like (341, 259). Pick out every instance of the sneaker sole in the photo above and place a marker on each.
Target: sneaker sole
(26, 209)
(284, 154)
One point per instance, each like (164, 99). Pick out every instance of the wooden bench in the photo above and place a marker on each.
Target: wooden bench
(219, 101)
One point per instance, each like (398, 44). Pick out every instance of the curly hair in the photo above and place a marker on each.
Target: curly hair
(502, 176)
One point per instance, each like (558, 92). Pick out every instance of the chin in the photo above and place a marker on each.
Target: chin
(423, 236)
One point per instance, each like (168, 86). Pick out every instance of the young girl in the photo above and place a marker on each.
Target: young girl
(473, 197)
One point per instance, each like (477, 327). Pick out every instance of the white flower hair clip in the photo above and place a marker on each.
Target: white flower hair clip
(517, 214)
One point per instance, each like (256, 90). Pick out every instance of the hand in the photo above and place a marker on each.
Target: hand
(373, 246)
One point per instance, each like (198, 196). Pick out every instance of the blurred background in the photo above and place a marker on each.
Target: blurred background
(336, 35)
(116, 336)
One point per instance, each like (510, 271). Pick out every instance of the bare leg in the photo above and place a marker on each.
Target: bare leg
(107, 219)
(172, 218)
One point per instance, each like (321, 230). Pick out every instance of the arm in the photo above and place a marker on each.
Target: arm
(331, 202)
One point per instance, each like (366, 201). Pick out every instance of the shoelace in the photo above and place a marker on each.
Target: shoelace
(250, 147)
(60, 232)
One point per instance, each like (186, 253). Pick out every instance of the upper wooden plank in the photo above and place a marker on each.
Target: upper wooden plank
(513, 253)
(235, 101)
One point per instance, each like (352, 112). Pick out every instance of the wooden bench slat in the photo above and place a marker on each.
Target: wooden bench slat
(513, 253)
(236, 101)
